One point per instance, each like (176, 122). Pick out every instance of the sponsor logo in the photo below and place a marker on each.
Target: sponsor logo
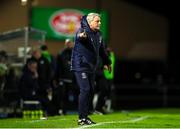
(84, 76)
(100, 39)
(65, 22)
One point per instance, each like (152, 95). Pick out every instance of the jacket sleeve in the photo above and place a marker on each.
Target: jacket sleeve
(82, 39)
(104, 55)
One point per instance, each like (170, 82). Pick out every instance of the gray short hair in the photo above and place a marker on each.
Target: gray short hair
(90, 17)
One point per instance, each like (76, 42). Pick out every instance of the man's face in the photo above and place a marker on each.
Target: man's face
(33, 67)
(37, 54)
(96, 23)
(69, 44)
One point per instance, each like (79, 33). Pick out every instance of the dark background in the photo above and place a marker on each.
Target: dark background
(139, 83)
(159, 82)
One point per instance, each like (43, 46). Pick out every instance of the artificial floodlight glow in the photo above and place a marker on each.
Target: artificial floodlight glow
(23, 0)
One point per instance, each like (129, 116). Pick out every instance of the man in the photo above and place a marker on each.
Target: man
(64, 62)
(104, 84)
(29, 81)
(44, 80)
(45, 53)
(88, 48)
(64, 77)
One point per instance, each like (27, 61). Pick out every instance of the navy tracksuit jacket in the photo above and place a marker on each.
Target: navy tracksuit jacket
(84, 62)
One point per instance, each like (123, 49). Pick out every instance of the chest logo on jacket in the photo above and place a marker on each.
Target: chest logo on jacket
(100, 40)
(91, 40)
(84, 76)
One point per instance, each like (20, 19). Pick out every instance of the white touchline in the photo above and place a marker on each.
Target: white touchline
(44, 120)
(112, 122)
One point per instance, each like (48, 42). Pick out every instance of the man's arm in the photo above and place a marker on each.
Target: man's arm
(82, 34)
(105, 57)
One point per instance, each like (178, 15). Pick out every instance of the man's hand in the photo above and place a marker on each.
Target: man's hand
(108, 67)
(83, 35)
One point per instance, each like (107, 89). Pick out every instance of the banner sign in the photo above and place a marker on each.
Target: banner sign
(62, 23)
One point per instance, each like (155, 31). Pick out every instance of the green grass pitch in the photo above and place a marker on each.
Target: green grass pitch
(147, 118)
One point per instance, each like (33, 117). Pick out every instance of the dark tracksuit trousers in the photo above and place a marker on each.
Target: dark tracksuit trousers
(85, 82)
